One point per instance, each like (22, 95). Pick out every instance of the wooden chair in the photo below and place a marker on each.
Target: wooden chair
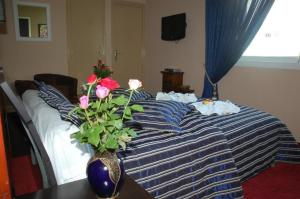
(41, 155)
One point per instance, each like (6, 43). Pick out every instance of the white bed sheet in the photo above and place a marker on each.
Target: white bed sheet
(68, 157)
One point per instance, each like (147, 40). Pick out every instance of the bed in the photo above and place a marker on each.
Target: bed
(210, 158)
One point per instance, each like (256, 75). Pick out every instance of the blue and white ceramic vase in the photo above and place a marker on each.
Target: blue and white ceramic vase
(105, 173)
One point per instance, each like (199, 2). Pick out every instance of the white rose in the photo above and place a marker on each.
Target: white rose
(134, 84)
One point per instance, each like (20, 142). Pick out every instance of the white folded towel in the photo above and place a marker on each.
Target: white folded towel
(178, 97)
(216, 107)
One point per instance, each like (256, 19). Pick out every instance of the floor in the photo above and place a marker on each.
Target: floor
(279, 182)
(26, 179)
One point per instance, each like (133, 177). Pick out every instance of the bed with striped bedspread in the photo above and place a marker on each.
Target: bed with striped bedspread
(211, 157)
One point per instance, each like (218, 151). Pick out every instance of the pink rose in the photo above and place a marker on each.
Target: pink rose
(134, 84)
(101, 91)
(84, 102)
(109, 83)
(91, 79)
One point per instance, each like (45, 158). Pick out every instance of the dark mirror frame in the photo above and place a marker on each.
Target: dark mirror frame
(2, 17)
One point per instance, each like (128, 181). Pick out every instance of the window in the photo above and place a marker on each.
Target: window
(278, 40)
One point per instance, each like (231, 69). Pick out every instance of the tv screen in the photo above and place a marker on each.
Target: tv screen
(173, 27)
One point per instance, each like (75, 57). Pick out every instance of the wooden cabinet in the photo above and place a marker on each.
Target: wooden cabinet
(173, 81)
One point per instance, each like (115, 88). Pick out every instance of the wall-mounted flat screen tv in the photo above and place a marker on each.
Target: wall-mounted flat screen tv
(173, 27)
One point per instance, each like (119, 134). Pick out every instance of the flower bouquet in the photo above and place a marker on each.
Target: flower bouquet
(103, 128)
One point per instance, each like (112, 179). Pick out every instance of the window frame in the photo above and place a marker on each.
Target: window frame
(292, 62)
(255, 59)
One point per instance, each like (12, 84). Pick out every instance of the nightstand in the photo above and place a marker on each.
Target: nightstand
(81, 190)
(172, 81)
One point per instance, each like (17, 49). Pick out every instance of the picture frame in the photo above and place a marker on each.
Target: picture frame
(43, 30)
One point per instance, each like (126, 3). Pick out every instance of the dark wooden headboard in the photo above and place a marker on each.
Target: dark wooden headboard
(23, 85)
(66, 84)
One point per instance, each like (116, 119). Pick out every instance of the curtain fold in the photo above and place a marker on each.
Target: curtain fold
(230, 27)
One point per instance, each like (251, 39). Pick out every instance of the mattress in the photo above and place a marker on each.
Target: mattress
(68, 158)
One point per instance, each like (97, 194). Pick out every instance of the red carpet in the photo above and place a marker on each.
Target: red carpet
(279, 182)
(26, 177)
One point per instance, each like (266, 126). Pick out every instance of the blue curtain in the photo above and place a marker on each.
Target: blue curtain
(230, 27)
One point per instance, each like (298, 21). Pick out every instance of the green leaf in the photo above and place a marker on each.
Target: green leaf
(104, 107)
(127, 111)
(122, 144)
(110, 128)
(128, 117)
(93, 139)
(118, 124)
(114, 116)
(131, 132)
(101, 129)
(93, 135)
(76, 136)
(111, 143)
(137, 107)
(120, 101)
(124, 137)
(94, 105)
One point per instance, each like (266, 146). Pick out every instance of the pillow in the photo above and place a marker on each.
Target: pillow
(138, 95)
(64, 110)
(51, 95)
(160, 115)
(57, 100)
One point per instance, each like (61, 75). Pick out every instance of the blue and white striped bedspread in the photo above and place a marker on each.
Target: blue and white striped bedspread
(257, 139)
(211, 157)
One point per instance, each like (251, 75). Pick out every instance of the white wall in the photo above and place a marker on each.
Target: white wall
(23, 59)
(187, 54)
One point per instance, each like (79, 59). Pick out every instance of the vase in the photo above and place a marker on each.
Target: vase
(105, 173)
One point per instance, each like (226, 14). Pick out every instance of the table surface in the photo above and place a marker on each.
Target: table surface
(81, 189)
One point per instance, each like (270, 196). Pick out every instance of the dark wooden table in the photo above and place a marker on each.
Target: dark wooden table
(81, 189)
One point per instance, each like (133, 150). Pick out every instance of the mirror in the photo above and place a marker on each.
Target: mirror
(32, 21)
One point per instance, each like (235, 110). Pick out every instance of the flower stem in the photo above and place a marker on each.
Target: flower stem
(131, 91)
(98, 107)
(88, 118)
(85, 111)
(89, 90)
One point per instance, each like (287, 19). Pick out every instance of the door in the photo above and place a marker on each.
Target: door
(85, 36)
(127, 41)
